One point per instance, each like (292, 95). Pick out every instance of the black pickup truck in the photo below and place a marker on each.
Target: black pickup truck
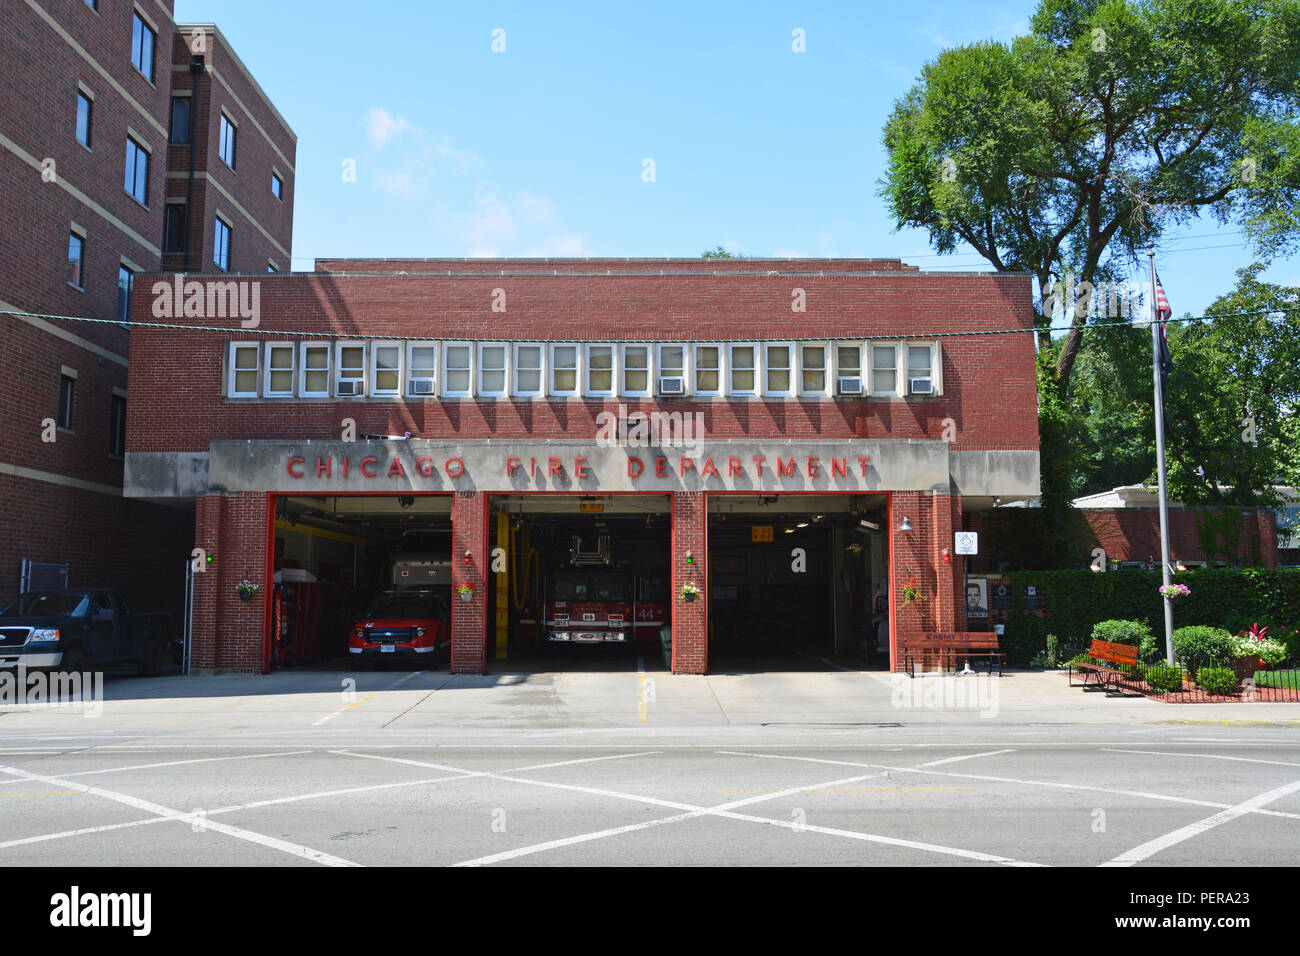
(73, 629)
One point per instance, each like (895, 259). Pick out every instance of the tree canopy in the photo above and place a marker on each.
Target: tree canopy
(1112, 122)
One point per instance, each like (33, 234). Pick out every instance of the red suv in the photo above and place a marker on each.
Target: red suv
(411, 626)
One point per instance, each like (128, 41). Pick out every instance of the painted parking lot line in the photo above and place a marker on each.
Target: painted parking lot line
(167, 813)
(177, 763)
(344, 710)
(1199, 756)
(1054, 784)
(1149, 849)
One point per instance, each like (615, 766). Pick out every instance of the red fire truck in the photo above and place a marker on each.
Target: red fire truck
(595, 605)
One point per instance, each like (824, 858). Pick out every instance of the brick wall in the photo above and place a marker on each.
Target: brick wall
(228, 634)
(689, 619)
(469, 537)
(917, 556)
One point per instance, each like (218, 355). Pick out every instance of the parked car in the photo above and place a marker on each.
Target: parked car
(73, 629)
(406, 625)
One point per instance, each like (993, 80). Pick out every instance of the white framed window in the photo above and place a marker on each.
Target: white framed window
(850, 376)
(884, 369)
(277, 379)
(600, 369)
(636, 374)
(530, 369)
(493, 368)
(923, 368)
(564, 369)
(814, 369)
(349, 369)
(386, 368)
(314, 370)
(457, 370)
(778, 369)
(243, 371)
(707, 369)
(421, 369)
(742, 369)
(671, 377)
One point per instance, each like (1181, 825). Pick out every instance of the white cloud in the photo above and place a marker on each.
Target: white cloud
(382, 126)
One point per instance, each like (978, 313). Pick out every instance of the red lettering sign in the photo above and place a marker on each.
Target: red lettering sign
(372, 461)
(323, 465)
(289, 468)
(685, 464)
(734, 468)
(454, 467)
(784, 468)
(863, 462)
(396, 469)
(554, 467)
(814, 467)
(839, 467)
(634, 461)
(424, 467)
(511, 464)
(661, 467)
(709, 468)
(580, 467)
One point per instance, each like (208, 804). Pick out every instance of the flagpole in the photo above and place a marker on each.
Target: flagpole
(1160, 458)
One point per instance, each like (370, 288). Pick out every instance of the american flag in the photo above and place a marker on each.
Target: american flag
(1163, 314)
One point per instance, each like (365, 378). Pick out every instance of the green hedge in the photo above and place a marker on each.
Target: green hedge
(1075, 601)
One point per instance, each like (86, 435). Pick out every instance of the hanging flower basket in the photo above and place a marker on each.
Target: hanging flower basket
(247, 589)
(690, 592)
(467, 590)
(1174, 591)
(911, 592)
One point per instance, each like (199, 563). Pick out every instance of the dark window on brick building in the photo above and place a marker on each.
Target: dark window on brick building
(85, 112)
(125, 285)
(66, 388)
(76, 258)
(136, 180)
(226, 146)
(180, 133)
(174, 228)
(117, 426)
(143, 40)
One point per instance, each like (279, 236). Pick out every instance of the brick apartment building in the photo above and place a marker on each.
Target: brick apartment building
(797, 439)
(129, 144)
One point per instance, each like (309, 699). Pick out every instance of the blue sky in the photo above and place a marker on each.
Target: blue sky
(539, 150)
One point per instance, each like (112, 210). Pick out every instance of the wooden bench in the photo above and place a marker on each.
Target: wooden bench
(1122, 655)
(950, 647)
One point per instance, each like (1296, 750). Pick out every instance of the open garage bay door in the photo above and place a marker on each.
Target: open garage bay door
(796, 578)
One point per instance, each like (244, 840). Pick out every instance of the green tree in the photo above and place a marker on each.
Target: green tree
(1111, 123)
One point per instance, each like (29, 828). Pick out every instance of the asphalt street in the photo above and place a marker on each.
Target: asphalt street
(617, 765)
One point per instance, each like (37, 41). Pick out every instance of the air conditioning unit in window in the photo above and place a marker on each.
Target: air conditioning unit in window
(421, 386)
(351, 387)
(850, 384)
(920, 386)
(671, 385)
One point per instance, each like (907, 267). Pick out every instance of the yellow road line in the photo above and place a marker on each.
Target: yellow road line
(344, 710)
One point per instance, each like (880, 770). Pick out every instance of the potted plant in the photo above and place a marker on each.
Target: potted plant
(1174, 591)
(467, 590)
(1256, 651)
(911, 592)
(247, 589)
(690, 592)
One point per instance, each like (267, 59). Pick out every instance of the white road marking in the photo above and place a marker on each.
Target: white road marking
(84, 830)
(1029, 783)
(1161, 753)
(990, 753)
(1152, 847)
(293, 849)
(177, 763)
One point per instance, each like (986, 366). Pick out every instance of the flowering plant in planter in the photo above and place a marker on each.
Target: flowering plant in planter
(1256, 644)
(690, 592)
(1174, 591)
(247, 589)
(467, 590)
(911, 592)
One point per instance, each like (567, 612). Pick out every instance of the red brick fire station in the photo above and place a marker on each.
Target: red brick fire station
(759, 454)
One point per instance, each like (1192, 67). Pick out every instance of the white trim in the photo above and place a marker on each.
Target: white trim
(231, 350)
(431, 371)
(791, 368)
(67, 372)
(587, 388)
(692, 385)
(541, 370)
(731, 389)
(292, 348)
(32, 474)
(551, 388)
(826, 369)
(303, 391)
(64, 334)
(446, 391)
(373, 359)
(623, 369)
(339, 346)
(936, 381)
(482, 390)
(871, 390)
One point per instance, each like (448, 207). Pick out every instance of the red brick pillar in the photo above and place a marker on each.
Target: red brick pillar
(917, 555)
(690, 621)
(228, 633)
(469, 538)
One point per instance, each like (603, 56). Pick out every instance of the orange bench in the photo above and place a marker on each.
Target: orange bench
(1122, 655)
(950, 647)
